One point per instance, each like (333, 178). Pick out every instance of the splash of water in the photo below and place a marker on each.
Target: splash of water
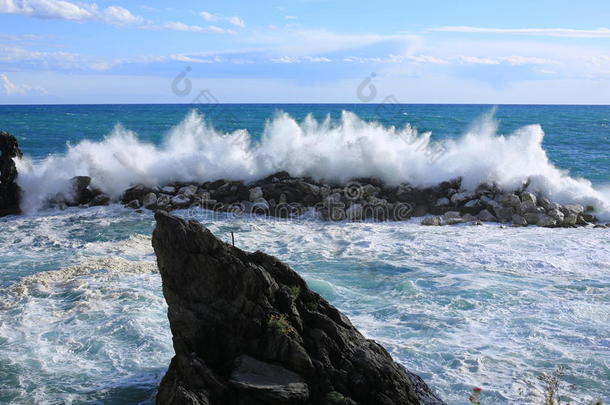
(335, 150)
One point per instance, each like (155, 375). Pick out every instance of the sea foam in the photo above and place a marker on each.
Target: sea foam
(328, 149)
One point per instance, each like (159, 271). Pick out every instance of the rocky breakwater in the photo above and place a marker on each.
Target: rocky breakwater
(281, 195)
(10, 193)
(247, 330)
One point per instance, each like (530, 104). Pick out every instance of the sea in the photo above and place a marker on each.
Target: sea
(82, 315)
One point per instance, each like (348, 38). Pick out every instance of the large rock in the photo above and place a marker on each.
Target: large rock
(10, 193)
(247, 330)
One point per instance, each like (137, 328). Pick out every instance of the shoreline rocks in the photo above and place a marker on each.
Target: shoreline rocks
(10, 193)
(283, 196)
(248, 331)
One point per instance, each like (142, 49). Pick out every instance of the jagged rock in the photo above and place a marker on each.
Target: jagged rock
(469, 218)
(527, 206)
(486, 216)
(247, 330)
(459, 198)
(81, 194)
(570, 219)
(432, 221)
(10, 193)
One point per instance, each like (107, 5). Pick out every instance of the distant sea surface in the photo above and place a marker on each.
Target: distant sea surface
(83, 320)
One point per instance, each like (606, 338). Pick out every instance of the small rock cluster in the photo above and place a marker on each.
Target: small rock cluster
(284, 196)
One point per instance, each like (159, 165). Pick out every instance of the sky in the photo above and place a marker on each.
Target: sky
(301, 51)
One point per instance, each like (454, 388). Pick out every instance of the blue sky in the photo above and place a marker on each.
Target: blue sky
(129, 51)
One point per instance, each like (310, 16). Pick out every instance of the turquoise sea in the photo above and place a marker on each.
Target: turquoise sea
(82, 317)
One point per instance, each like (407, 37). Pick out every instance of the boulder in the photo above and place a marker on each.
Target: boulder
(532, 217)
(526, 196)
(509, 200)
(570, 219)
(486, 216)
(504, 213)
(180, 201)
(442, 202)
(80, 192)
(10, 193)
(546, 221)
(247, 330)
(459, 198)
(168, 190)
(188, 191)
(135, 193)
(452, 214)
(518, 220)
(100, 199)
(432, 221)
(573, 209)
(149, 201)
(557, 215)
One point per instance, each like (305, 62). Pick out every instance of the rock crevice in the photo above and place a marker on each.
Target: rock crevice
(247, 330)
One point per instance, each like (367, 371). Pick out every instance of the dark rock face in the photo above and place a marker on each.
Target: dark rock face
(10, 193)
(247, 330)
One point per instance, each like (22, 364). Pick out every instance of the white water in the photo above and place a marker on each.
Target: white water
(461, 306)
(351, 147)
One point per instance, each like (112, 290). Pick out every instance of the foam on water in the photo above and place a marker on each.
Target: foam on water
(337, 150)
(495, 311)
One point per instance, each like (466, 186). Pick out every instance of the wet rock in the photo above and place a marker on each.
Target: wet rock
(509, 200)
(459, 198)
(168, 190)
(532, 217)
(452, 215)
(432, 221)
(518, 220)
(486, 216)
(469, 218)
(135, 193)
(180, 201)
(188, 191)
(100, 199)
(557, 215)
(526, 196)
(570, 219)
(10, 193)
(546, 221)
(149, 201)
(573, 209)
(247, 330)
(504, 213)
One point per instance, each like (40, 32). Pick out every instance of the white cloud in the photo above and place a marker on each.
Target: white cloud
(10, 88)
(66, 10)
(234, 20)
(547, 32)
(290, 17)
(180, 26)
(294, 59)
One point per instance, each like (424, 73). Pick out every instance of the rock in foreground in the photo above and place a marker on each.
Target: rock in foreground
(247, 330)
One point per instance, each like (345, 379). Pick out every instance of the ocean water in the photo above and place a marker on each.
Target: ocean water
(82, 317)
